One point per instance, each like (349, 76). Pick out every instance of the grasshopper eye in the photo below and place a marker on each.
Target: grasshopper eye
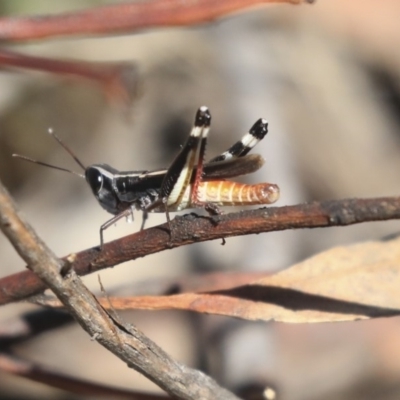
(95, 179)
(100, 178)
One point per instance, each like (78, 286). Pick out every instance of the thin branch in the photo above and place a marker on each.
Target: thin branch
(38, 373)
(118, 80)
(192, 228)
(127, 343)
(125, 17)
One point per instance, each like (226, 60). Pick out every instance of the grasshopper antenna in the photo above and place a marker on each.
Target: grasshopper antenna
(65, 147)
(47, 165)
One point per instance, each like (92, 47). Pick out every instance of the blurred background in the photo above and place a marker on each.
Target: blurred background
(326, 77)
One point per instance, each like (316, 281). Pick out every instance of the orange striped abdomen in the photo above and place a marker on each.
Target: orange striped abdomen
(227, 193)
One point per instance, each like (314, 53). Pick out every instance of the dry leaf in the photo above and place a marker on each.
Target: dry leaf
(342, 284)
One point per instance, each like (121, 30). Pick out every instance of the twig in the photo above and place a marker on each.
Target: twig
(127, 343)
(126, 17)
(192, 228)
(38, 373)
(119, 80)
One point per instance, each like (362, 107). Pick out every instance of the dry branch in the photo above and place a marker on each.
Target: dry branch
(118, 80)
(126, 17)
(16, 366)
(192, 228)
(127, 343)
